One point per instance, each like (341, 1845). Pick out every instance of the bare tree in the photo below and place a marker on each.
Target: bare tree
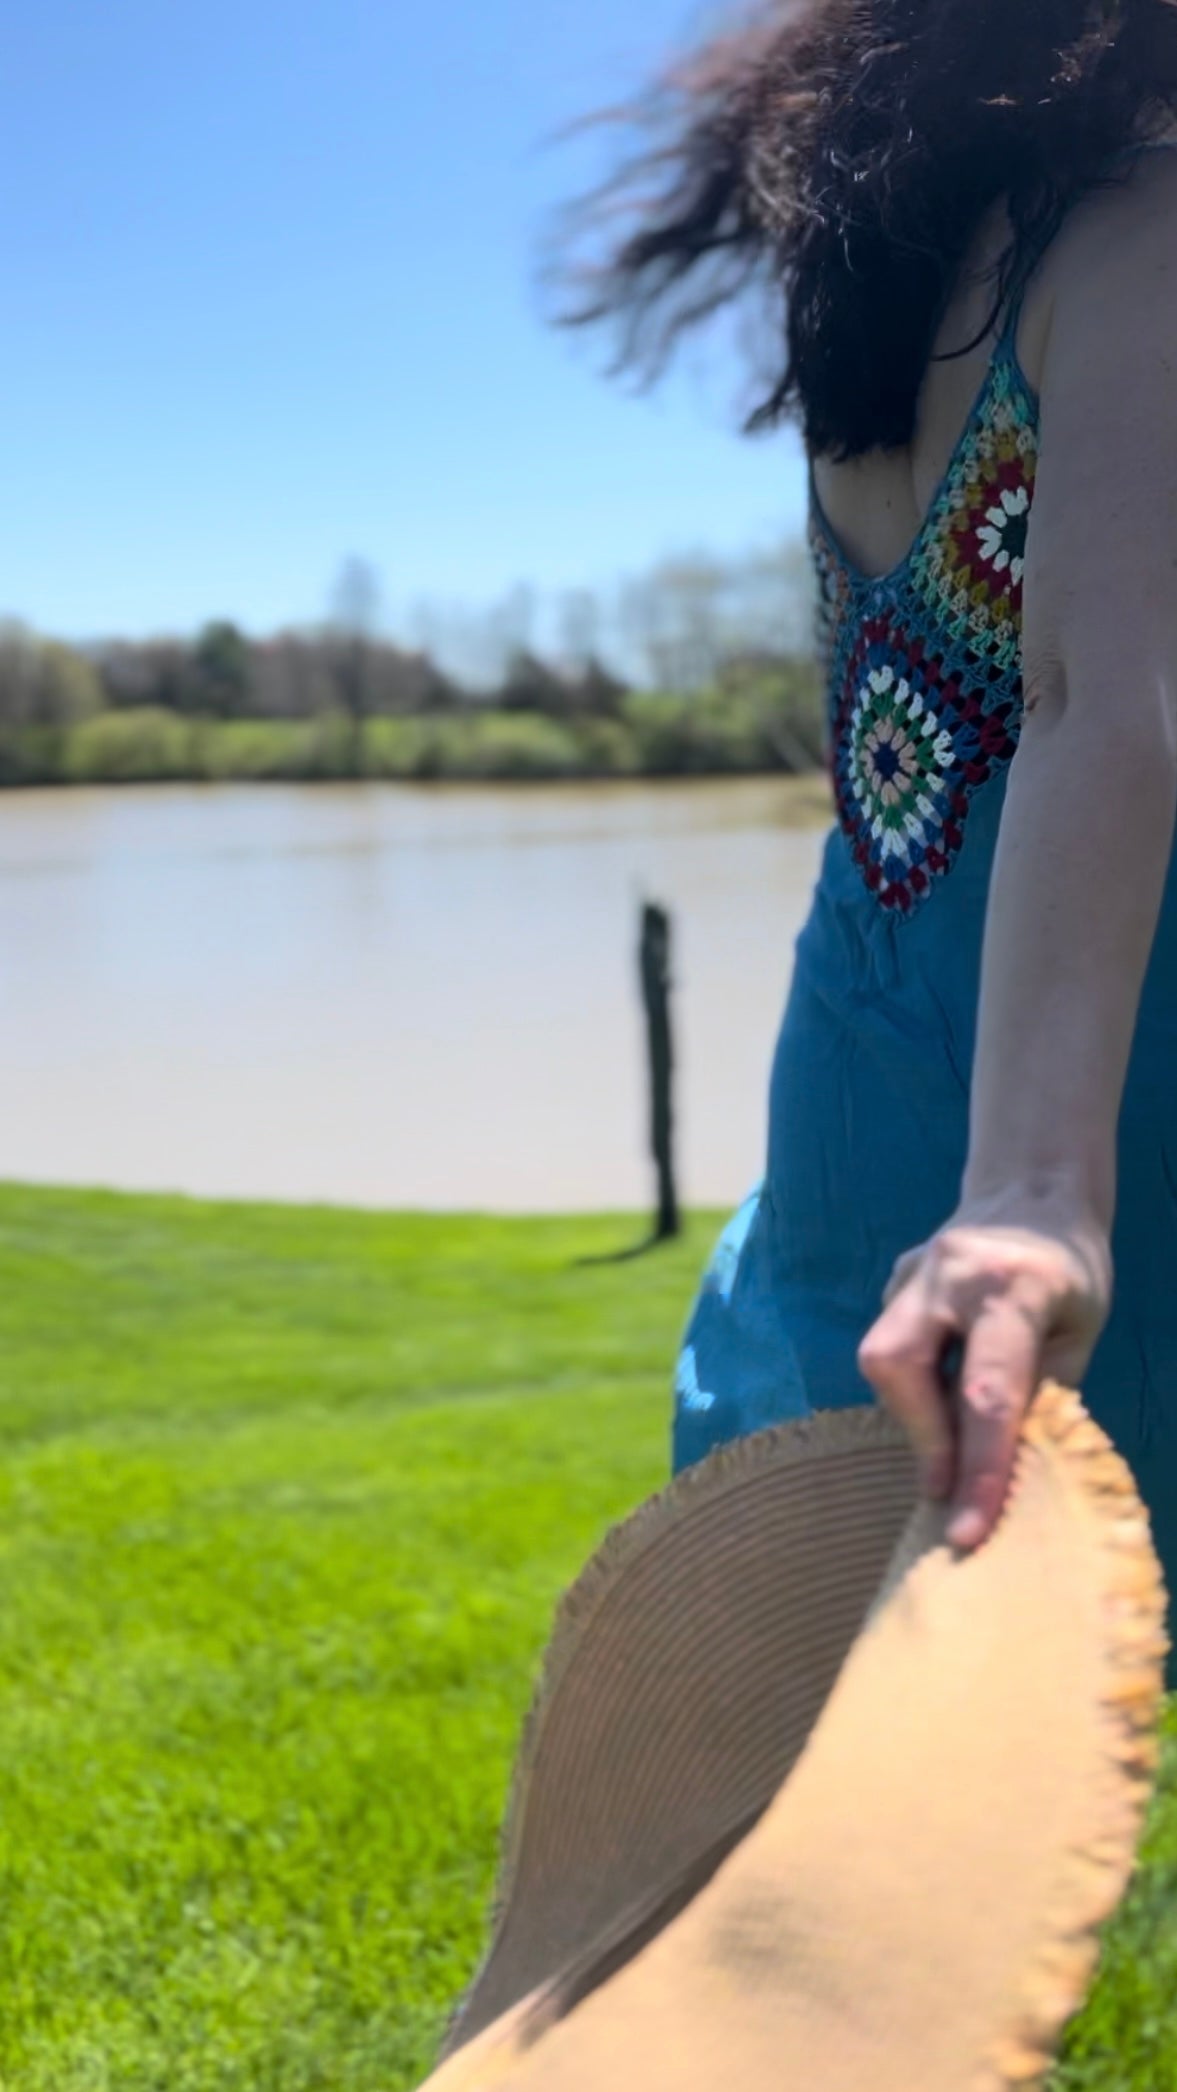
(18, 673)
(769, 605)
(68, 686)
(356, 598)
(691, 615)
(509, 630)
(473, 646)
(579, 624)
(673, 617)
(355, 617)
(44, 683)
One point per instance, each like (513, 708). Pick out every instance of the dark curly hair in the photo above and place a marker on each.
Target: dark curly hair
(833, 159)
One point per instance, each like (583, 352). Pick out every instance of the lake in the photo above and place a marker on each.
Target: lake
(384, 995)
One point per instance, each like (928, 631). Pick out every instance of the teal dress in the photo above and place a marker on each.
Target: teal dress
(868, 1107)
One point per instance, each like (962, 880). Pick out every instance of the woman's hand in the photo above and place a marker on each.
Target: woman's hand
(1012, 1300)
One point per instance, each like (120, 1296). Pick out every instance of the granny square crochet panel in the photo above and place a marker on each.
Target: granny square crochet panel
(924, 664)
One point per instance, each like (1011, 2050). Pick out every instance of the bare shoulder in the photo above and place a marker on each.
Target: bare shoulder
(1111, 272)
(1100, 341)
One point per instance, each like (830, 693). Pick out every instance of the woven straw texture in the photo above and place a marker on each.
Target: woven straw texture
(719, 1866)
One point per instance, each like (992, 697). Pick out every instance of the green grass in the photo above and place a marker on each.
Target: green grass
(286, 1500)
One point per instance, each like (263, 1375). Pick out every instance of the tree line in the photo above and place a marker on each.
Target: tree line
(697, 648)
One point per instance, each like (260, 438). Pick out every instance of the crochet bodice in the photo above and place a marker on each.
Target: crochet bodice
(924, 663)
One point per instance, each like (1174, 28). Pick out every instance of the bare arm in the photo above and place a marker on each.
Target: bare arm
(1021, 1274)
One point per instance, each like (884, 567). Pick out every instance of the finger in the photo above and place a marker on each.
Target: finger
(1002, 1363)
(905, 1269)
(901, 1359)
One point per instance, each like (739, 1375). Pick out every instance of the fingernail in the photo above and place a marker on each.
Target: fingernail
(966, 1530)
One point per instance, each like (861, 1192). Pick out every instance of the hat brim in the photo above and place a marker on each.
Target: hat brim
(909, 1902)
(685, 1671)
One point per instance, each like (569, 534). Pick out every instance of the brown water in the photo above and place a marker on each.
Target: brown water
(388, 996)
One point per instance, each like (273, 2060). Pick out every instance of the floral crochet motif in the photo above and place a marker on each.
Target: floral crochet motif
(967, 563)
(911, 742)
(1001, 540)
(924, 665)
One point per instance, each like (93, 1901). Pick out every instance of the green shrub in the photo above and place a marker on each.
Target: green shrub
(750, 725)
(696, 736)
(33, 755)
(522, 744)
(254, 750)
(608, 747)
(399, 748)
(755, 720)
(142, 746)
(474, 745)
(147, 744)
(790, 704)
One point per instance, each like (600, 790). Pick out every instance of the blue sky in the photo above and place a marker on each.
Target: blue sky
(269, 302)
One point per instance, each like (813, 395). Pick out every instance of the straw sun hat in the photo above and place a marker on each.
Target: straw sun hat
(808, 1802)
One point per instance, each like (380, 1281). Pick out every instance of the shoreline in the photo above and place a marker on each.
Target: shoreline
(806, 794)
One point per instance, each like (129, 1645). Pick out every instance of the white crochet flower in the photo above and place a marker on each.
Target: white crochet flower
(995, 537)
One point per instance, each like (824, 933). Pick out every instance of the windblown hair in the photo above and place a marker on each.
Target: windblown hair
(832, 161)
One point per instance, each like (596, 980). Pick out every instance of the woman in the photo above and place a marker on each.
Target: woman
(973, 1119)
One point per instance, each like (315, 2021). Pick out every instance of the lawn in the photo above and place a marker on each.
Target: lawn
(286, 1502)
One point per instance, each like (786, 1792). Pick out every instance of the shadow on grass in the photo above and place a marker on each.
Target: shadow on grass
(660, 1239)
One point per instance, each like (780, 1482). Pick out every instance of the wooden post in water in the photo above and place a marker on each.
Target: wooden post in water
(655, 971)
